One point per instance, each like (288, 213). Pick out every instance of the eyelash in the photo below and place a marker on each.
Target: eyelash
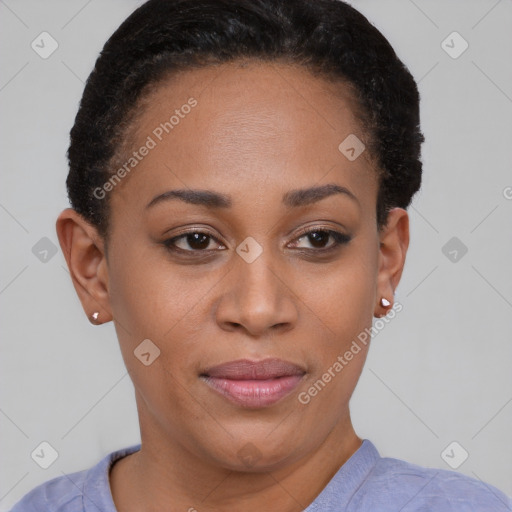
(339, 240)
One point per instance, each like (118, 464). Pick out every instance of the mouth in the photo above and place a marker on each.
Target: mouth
(254, 384)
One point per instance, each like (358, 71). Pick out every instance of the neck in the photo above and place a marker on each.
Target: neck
(165, 475)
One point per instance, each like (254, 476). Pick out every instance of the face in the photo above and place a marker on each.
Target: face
(242, 234)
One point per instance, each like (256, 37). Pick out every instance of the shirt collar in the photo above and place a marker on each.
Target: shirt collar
(336, 495)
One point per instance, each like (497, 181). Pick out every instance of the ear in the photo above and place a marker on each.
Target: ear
(84, 251)
(394, 242)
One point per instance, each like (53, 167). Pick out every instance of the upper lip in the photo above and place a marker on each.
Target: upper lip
(257, 370)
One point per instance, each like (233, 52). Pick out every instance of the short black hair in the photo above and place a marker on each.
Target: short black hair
(328, 37)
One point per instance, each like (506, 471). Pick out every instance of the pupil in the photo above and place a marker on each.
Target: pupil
(318, 236)
(198, 240)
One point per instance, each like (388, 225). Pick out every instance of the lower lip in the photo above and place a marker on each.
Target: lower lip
(254, 393)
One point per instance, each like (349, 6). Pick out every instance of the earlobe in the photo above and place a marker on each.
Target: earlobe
(84, 251)
(393, 245)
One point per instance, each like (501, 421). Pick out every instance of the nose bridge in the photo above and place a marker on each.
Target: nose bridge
(257, 280)
(257, 299)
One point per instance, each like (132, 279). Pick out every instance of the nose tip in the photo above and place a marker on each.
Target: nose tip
(258, 325)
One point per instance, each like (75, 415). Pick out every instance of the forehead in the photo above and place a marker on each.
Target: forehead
(243, 126)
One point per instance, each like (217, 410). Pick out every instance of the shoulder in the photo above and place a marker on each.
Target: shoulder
(81, 491)
(394, 482)
(63, 493)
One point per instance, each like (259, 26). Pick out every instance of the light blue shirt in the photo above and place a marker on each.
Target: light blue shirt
(366, 482)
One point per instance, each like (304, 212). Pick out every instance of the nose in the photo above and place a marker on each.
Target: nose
(257, 298)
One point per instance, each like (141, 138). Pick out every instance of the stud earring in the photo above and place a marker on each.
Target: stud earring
(384, 302)
(94, 317)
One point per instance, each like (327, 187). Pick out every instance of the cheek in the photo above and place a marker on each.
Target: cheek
(153, 298)
(344, 309)
(150, 296)
(342, 298)
(343, 305)
(153, 301)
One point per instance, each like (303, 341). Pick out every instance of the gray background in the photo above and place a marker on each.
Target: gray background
(438, 373)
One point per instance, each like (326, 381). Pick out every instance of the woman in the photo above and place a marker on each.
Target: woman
(240, 173)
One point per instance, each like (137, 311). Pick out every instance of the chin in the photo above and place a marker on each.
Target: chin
(257, 455)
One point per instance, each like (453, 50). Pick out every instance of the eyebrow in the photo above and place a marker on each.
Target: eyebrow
(291, 199)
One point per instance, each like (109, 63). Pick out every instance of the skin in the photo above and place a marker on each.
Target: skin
(259, 130)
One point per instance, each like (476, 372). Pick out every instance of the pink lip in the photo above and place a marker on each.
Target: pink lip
(254, 384)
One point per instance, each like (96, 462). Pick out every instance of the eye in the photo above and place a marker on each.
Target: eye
(196, 241)
(193, 241)
(318, 239)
